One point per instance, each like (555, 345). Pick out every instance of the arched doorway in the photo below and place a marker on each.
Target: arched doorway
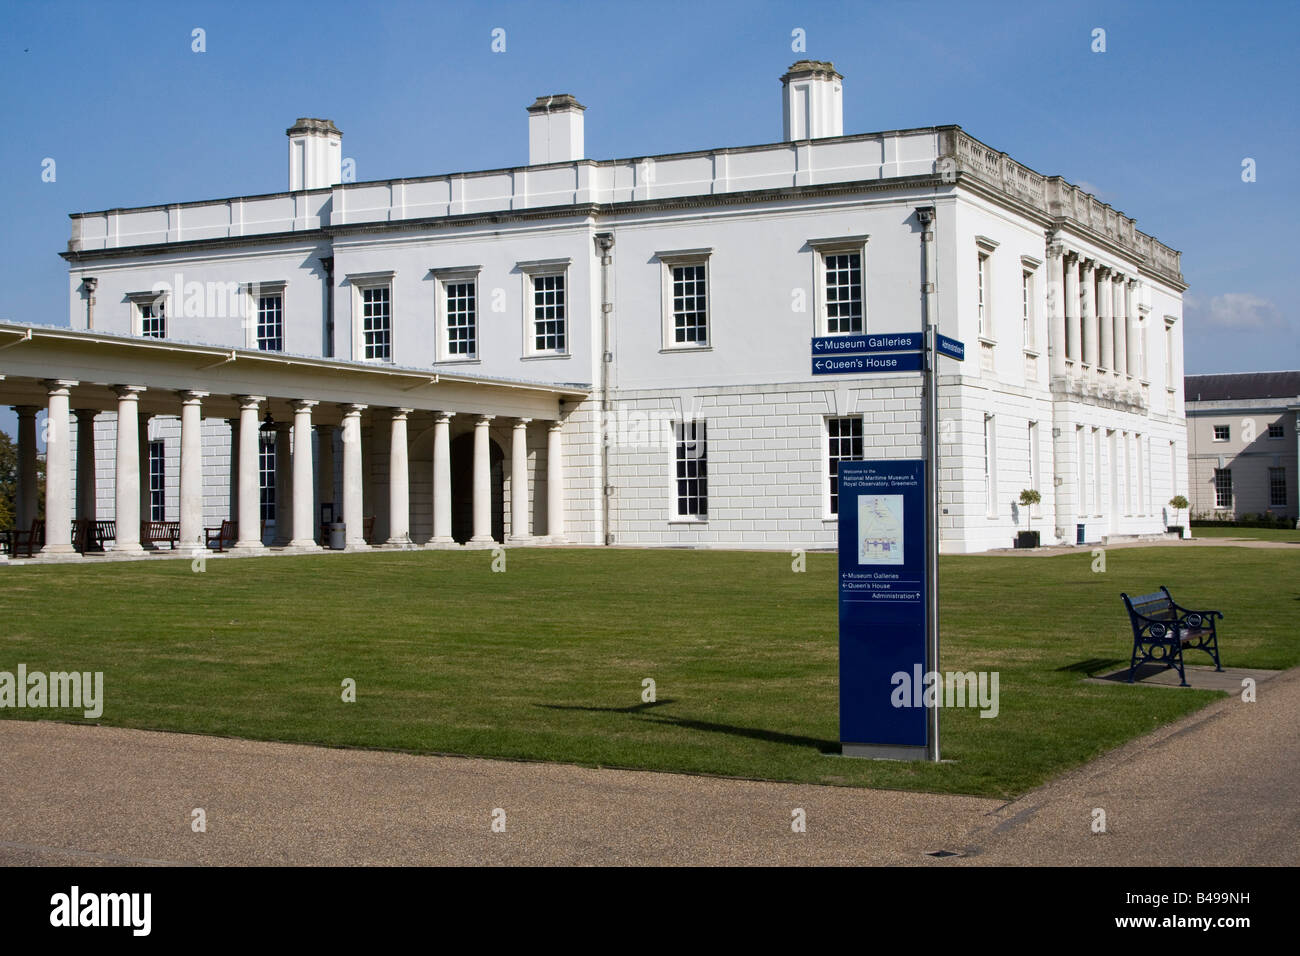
(462, 488)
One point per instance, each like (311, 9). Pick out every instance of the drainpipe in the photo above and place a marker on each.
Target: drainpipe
(605, 243)
(91, 283)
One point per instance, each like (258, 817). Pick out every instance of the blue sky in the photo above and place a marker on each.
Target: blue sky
(1158, 125)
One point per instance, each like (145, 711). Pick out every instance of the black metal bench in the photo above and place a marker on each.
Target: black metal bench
(1162, 629)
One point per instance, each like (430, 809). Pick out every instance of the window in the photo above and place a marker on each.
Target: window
(840, 283)
(990, 466)
(549, 313)
(1221, 432)
(270, 322)
(546, 307)
(1223, 487)
(461, 302)
(266, 475)
(692, 461)
(149, 314)
(1097, 475)
(843, 293)
(1140, 460)
(844, 437)
(157, 481)
(690, 313)
(1034, 476)
(982, 294)
(1277, 487)
(376, 323)
(1026, 308)
(685, 298)
(1082, 442)
(1275, 430)
(1169, 355)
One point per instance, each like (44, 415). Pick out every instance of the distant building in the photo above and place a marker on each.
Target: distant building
(1243, 454)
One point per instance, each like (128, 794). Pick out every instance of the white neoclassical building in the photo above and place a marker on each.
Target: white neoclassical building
(608, 351)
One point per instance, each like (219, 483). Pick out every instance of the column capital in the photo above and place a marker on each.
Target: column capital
(128, 393)
(1071, 255)
(399, 414)
(85, 413)
(1055, 249)
(247, 402)
(304, 404)
(1104, 272)
(443, 417)
(190, 397)
(555, 426)
(1088, 264)
(27, 411)
(352, 409)
(483, 419)
(522, 422)
(59, 386)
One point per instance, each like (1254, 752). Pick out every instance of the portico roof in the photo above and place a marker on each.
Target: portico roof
(31, 355)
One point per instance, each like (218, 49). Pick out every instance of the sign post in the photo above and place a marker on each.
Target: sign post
(889, 551)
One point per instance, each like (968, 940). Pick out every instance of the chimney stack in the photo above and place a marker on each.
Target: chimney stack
(555, 132)
(315, 154)
(812, 105)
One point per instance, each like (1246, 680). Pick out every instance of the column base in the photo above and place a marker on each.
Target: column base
(404, 543)
(355, 546)
(307, 544)
(482, 541)
(249, 547)
(131, 547)
(53, 549)
(444, 542)
(520, 539)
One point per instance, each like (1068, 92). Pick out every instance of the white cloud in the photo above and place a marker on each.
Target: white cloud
(1234, 310)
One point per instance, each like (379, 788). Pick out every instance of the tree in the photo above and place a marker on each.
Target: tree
(1178, 503)
(1029, 497)
(9, 483)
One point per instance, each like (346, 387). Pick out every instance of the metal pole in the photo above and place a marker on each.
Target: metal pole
(925, 215)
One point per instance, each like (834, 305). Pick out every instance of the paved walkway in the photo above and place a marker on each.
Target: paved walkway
(1218, 787)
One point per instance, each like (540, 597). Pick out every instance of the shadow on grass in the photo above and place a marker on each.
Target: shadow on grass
(753, 733)
(1093, 664)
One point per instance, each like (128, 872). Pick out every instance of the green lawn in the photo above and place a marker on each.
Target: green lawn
(546, 660)
(1260, 534)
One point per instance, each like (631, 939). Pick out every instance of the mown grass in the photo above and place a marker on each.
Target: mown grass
(1258, 534)
(546, 660)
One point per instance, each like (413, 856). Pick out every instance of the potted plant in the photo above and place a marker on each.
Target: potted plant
(1028, 539)
(1178, 503)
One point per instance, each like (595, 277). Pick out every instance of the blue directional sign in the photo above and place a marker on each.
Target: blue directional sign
(882, 591)
(857, 364)
(950, 347)
(858, 344)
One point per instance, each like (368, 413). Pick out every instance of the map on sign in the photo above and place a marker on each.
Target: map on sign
(880, 529)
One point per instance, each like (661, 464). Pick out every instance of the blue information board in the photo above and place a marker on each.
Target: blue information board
(856, 344)
(950, 347)
(882, 590)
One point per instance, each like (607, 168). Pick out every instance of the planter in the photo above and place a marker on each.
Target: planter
(1175, 529)
(1026, 539)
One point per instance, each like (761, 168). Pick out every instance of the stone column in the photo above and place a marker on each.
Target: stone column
(325, 475)
(399, 483)
(1119, 330)
(1074, 353)
(442, 478)
(126, 492)
(28, 507)
(352, 481)
(1088, 312)
(283, 485)
(58, 469)
(482, 481)
(250, 494)
(555, 482)
(1056, 309)
(519, 480)
(1130, 329)
(86, 484)
(303, 530)
(1105, 320)
(192, 468)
